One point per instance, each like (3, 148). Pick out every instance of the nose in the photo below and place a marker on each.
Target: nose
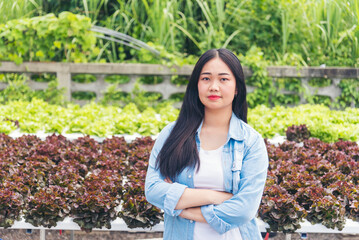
(213, 86)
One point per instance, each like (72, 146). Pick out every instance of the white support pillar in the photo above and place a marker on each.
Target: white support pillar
(288, 236)
(42, 234)
(63, 75)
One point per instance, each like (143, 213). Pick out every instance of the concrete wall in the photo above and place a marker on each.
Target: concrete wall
(65, 71)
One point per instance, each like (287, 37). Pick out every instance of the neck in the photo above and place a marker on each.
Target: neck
(217, 118)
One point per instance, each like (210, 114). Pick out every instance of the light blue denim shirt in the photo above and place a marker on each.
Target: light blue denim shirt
(245, 163)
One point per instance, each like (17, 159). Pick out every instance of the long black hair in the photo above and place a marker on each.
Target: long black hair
(180, 149)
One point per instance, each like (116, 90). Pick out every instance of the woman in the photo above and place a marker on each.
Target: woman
(207, 170)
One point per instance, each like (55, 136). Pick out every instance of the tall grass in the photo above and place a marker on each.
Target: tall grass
(93, 7)
(335, 23)
(178, 24)
(307, 28)
(13, 9)
(214, 28)
(322, 27)
(149, 20)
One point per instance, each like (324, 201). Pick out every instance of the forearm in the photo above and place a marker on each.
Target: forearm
(194, 214)
(192, 197)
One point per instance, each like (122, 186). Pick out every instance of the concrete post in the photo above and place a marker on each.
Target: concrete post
(42, 234)
(64, 78)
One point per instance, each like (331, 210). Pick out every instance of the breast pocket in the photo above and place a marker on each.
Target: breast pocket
(236, 168)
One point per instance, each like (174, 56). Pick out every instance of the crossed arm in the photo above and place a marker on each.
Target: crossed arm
(192, 200)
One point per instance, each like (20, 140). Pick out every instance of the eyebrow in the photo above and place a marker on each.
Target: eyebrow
(208, 73)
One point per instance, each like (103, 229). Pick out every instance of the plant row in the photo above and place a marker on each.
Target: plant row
(311, 180)
(91, 119)
(103, 121)
(92, 182)
(96, 182)
(322, 122)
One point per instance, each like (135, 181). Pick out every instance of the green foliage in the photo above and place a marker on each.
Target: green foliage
(43, 77)
(350, 93)
(139, 97)
(179, 80)
(319, 99)
(323, 123)
(63, 38)
(113, 96)
(120, 79)
(83, 95)
(52, 94)
(288, 31)
(94, 119)
(84, 78)
(13, 9)
(254, 60)
(91, 119)
(150, 79)
(262, 32)
(260, 24)
(17, 89)
(320, 82)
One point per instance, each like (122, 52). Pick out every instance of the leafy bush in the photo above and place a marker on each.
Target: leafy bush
(136, 211)
(139, 97)
(47, 180)
(297, 133)
(48, 206)
(103, 121)
(320, 177)
(94, 205)
(280, 210)
(347, 193)
(323, 123)
(11, 205)
(66, 37)
(322, 206)
(17, 90)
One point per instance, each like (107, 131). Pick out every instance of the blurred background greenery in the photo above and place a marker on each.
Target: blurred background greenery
(260, 32)
(288, 32)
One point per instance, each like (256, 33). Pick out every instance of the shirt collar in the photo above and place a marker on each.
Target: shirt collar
(236, 128)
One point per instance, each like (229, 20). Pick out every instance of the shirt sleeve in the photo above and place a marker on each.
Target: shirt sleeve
(243, 206)
(159, 193)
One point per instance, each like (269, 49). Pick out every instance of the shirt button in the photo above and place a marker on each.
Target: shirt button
(191, 221)
(189, 176)
(233, 165)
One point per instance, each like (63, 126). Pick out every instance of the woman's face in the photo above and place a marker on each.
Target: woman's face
(216, 85)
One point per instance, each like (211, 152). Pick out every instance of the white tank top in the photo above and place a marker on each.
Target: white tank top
(210, 176)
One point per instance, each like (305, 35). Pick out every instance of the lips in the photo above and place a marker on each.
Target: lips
(213, 97)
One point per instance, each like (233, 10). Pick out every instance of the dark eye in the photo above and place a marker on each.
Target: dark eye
(224, 79)
(205, 78)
